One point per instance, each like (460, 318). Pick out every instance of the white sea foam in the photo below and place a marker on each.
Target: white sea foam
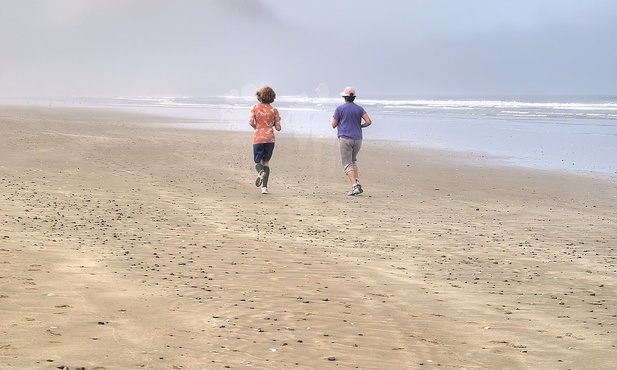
(518, 109)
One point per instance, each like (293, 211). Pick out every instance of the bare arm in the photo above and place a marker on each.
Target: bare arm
(277, 121)
(334, 123)
(367, 120)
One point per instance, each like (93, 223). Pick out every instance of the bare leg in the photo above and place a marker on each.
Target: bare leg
(352, 177)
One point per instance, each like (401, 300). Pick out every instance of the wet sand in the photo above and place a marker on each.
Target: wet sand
(127, 243)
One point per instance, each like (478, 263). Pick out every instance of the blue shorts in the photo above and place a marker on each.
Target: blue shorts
(263, 152)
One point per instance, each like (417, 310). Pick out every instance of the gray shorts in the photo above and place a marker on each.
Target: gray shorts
(349, 151)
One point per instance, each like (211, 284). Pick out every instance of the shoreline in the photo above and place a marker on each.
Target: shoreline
(571, 144)
(126, 244)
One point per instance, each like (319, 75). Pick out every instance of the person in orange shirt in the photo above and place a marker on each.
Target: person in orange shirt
(264, 119)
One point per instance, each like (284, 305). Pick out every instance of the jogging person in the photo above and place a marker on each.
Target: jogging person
(264, 119)
(347, 120)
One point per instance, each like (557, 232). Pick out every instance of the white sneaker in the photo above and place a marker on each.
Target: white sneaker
(265, 191)
(355, 190)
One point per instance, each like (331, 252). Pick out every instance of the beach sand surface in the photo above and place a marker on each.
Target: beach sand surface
(129, 242)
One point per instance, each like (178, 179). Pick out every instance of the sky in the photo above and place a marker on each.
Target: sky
(385, 48)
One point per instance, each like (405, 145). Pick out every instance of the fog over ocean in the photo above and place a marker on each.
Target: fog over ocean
(530, 83)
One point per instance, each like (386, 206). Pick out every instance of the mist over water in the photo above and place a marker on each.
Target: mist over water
(532, 82)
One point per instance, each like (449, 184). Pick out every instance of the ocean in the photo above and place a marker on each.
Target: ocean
(573, 134)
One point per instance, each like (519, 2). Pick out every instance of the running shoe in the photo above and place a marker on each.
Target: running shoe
(355, 190)
(260, 178)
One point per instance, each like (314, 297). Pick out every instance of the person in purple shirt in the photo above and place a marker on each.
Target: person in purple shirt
(347, 120)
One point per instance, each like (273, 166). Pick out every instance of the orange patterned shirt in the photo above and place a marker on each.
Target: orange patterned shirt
(264, 117)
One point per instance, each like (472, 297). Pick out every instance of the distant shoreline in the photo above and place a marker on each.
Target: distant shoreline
(506, 131)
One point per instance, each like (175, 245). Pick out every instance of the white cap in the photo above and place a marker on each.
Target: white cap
(349, 91)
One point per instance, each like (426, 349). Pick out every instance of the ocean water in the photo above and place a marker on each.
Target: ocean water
(574, 134)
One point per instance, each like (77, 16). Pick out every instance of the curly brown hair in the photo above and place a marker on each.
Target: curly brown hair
(265, 95)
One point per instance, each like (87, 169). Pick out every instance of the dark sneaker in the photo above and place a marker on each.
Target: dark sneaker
(360, 191)
(260, 178)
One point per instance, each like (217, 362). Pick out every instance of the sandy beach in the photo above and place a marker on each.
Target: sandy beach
(128, 243)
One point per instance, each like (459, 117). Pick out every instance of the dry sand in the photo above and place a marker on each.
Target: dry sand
(125, 244)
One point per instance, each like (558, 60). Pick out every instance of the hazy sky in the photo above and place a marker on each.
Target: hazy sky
(419, 48)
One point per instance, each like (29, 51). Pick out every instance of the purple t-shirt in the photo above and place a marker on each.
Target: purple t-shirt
(349, 117)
